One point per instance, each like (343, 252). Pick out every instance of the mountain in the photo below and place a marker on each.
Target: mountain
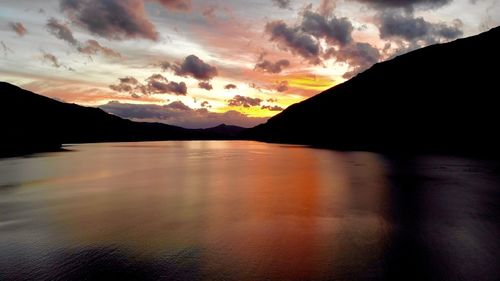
(440, 98)
(31, 123)
(225, 130)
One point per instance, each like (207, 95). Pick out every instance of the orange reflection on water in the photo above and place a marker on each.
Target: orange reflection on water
(252, 210)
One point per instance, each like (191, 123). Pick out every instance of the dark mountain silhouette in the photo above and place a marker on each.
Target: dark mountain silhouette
(225, 130)
(31, 123)
(440, 98)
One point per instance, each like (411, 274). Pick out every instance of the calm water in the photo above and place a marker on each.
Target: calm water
(246, 211)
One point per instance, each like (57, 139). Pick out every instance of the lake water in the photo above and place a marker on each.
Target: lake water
(246, 211)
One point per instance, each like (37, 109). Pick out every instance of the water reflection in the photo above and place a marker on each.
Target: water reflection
(246, 211)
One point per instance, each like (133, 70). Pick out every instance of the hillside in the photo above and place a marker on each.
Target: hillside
(30, 122)
(439, 98)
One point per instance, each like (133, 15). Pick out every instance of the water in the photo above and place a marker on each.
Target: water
(246, 211)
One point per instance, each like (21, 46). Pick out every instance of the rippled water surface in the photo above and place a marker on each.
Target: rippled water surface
(246, 211)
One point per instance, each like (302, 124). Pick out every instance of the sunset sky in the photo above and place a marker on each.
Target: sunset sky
(197, 63)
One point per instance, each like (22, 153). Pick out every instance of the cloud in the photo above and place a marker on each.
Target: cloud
(320, 35)
(359, 56)
(272, 107)
(194, 67)
(158, 84)
(178, 105)
(326, 7)
(230, 86)
(159, 87)
(179, 114)
(276, 67)
(93, 47)
(293, 39)
(407, 4)
(111, 19)
(52, 59)
(209, 12)
(18, 28)
(61, 31)
(282, 86)
(164, 65)
(283, 4)
(6, 50)
(155, 84)
(127, 84)
(410, 28)
(177, 5)
(304, 39)
(205, 85)
(244, 101)
(206, 104)
(129, 80)
(334, 30)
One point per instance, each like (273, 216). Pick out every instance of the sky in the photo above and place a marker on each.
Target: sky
(200, 63)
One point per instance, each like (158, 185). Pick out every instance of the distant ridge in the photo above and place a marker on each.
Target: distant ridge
(441, 98)
(30, 122)
(225, 130)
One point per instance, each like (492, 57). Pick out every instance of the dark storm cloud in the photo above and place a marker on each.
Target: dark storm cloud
(155, 84)
(127, 84)
(293, 39)
(401, 27)
(61, 31)
(272, 107)
(92, 47)
(449, 32)
(283, 4)
(334, 30)
(272, 67)
(359, 56)
(230, 87)
(111, 19)
(205, 85)
(177, 113)
(304, 39)
(244, 101)
(195, 67)
(407, 4)
(410, 28)
(159, 87)
(18, 28)
(158, 84)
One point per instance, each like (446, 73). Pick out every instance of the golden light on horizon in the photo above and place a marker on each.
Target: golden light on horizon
(311, 82)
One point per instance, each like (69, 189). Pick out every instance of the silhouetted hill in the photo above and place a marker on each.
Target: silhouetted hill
(440, 98)
(225, 130)
(31, 122)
